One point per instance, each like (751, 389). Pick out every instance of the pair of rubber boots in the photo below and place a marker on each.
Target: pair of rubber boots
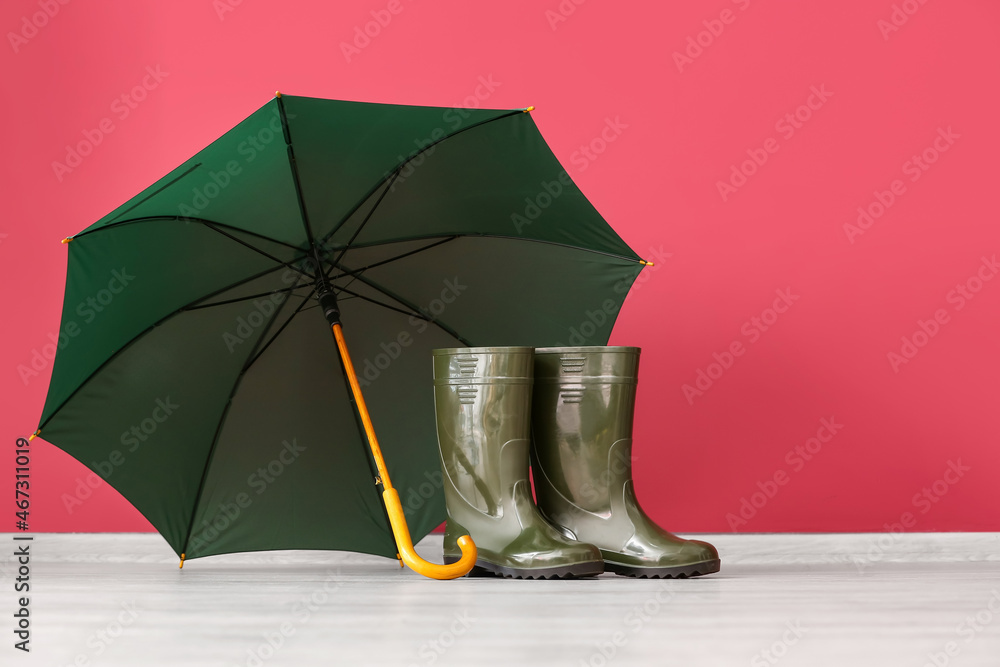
(570, 409)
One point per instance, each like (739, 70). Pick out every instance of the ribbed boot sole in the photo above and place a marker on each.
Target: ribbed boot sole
(678, 572)
(485, 569)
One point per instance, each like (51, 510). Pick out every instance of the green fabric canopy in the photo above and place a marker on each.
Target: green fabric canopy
(201, 380)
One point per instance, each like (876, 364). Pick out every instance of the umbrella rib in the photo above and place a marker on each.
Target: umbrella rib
(487, 235)
(258, 250)
(391, 259)
(294, 168)
(368, 217)
(219, 291)
(277, 333)
(159, 190)
(139, 335)
(200, 221)
(416, 310)
(355, 276)
(245, 298)
(400, 166)
(351, 281)
(379, 303)
(357, 421)
(222, 421)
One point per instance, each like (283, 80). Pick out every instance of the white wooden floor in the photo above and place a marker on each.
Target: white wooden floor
(780, 599)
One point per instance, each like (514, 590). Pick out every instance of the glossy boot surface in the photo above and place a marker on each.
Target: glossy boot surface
(584, 401)
(483, 404)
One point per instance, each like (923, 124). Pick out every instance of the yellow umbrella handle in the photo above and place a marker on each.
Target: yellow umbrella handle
(460, 568)
(389, 496)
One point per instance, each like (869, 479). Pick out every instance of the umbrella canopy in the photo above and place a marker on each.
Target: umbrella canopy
(198, 375)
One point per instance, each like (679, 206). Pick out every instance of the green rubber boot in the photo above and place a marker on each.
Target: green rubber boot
(482, 397)
(584, 400)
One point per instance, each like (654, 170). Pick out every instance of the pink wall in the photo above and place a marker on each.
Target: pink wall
(838, 101)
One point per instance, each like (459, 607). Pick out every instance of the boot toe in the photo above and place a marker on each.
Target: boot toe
(546, 548)
(687, 552)
(558, 562)
(702, 551)
(557, 556)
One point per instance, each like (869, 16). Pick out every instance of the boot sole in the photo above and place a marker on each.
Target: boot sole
(485, 569)
(678, 572)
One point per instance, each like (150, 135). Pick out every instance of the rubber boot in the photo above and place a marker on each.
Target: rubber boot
(482, 398)
(584, 400)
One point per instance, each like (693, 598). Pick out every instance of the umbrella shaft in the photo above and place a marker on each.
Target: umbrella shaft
(394, 509)
(359, 400)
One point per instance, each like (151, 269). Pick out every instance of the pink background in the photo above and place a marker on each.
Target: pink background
(700, 458)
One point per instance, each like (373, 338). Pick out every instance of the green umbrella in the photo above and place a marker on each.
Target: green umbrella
(196, 371)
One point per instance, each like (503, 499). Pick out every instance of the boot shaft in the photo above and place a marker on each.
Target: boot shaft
(483, 405)
(583, 405)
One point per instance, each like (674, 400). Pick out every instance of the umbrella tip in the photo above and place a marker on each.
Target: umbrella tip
(182, 562)
(67, 239)
(645, 263)
(529, 109)
(277, 93)
(34, 435)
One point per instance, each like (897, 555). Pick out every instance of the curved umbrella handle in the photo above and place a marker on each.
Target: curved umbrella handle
(401, 532)
(397, 520)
